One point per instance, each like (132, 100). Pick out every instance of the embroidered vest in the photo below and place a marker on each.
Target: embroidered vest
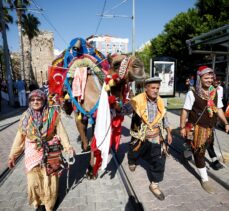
(197, 109)
(140, 121)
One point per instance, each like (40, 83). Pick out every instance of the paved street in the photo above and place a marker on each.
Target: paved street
(105, 193)
(181, 186)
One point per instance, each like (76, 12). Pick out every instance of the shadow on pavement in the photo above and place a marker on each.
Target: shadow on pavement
(111, 168)
(132, 205)
(11, 112)
(122, 150)
(185, 162)
(177, 152)
(76, 176)
(125, 131)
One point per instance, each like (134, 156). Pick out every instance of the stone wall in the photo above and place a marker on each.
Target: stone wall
(42, 49)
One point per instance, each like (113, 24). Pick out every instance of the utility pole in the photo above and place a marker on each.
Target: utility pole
(6, 57)
(133, 28)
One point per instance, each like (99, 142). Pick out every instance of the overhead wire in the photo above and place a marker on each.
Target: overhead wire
(104, 13)
(116, 6)
(49, 22)
(100, 20)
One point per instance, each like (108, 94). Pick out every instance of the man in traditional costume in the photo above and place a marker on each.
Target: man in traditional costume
(201, 107)
(148, 120)
(39, 125)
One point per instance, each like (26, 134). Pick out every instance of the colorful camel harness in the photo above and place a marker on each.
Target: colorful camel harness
(110, 80)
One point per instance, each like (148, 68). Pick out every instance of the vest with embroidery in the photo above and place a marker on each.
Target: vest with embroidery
(140, 121)
(197, 109)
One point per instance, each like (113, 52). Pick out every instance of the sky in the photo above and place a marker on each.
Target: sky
(69, 19)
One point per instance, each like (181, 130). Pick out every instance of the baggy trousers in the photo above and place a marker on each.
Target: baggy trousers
(199, 154)
(151, 153)
(210, 148)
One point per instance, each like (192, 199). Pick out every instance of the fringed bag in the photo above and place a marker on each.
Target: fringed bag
(53, 159)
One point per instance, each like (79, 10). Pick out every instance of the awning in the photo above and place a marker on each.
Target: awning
(214, 43)
(214, 39)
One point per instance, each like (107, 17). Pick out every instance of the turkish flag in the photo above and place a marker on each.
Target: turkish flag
(56, 77)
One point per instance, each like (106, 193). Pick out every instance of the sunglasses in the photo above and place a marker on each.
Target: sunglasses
(36, 99)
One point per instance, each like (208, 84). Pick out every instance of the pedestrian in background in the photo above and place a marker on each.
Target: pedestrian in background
(4, 86)
(20, 86)
(45, 87)
(201, 107)
(192, 81)
(216, 165)
(187, 84)
(148, 120)
(40, 127)
(33, 86)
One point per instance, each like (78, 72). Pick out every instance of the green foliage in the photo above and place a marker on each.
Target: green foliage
(175, 103)
(7, 17)
(213, 13)
(30, 25)
(207, 15)
(18, 5)
(15, 4)
(145, 57)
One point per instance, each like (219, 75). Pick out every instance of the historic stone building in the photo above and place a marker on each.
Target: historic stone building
(42, 55)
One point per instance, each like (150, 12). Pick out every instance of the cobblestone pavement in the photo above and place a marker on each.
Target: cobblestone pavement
(180, 185)
(8, 128)
(105, 193)
(9, 117)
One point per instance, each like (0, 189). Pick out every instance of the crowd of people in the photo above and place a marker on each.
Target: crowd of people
(41, 125)
(21, 90)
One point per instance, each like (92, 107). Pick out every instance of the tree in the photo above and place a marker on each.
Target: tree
(30, 25)
(7, 18)
(6, 56)
(145, 57)
(214, 13)
(1, 62)
(207, 15)
(20, 7)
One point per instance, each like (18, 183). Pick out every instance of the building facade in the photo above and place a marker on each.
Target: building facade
(42, 55)
(107, 44)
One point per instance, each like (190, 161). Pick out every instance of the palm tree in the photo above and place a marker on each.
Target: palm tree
(6, 55)
(20, 7)
(30, 25)
(1, 62)
(8, 19)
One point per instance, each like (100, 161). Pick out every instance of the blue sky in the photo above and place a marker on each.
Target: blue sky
(78, 18)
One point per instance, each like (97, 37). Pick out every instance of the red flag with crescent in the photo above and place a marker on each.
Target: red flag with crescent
(56, 77)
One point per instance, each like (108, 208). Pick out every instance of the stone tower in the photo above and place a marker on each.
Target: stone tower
(42, 53)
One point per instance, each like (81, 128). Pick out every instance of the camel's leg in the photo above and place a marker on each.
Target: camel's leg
(92, 160)
(90, 171)
(82, 128)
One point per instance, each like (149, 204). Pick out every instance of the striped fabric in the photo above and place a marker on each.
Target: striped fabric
(201, 136)
(152, 113)
(79, 82)
(153, 135)
(33, 157)
(28, 125)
